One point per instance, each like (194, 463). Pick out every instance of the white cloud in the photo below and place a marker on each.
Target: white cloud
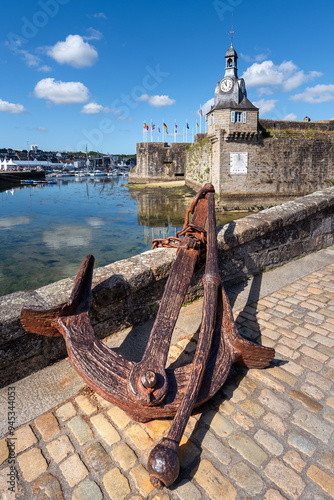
(261, 57)
(265, 106)
(265, 91)
(45, 68)
(29, 59)
(74, 51)
(291, 117)
(258, 58)
(60, 92)
(93, 34)
(206, 107)
(92, 108)
(158, 101)
(100, 15)
(8, 107)
(285, 76)
(316, 95)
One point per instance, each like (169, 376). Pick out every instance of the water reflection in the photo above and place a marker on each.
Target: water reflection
(10, 222)
(95, 221)
(67, 236)
(52, 227)
(161, 207)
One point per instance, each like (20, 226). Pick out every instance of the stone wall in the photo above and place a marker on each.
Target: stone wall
(282, 164)
(222, 121)
(158, 161)
(200, 157)
(128, 292)
(326, 125)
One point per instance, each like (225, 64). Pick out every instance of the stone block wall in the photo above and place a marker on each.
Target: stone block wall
(159, 161)
(276, 236)
(129, 292)
(324, 126)
(222, 121)
(200, 159)
(281, 165)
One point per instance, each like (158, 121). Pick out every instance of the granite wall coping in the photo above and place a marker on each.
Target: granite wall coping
(274, 218)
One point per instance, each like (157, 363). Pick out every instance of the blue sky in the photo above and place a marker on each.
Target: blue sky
(77, 72)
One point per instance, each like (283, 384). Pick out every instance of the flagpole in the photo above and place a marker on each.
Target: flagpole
(151, 131)
(200, 118)
(175, 131)
(163, 131)
(187, 131)
(183, 135)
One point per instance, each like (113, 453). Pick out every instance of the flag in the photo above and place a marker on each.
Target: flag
(146, 127)
(175, 127)
(165, 127)
(187, 124)
(197, 125)
(159, 130)
(152, 126)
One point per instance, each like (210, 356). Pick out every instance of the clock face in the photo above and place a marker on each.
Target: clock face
(226, 84)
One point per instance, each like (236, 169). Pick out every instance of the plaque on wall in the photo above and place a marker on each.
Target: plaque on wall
(238, 163)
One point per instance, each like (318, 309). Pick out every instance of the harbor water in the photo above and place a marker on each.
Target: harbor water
(46, 230)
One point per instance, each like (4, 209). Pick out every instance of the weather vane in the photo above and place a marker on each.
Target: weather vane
(232, 32)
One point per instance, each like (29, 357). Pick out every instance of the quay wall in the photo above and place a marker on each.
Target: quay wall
(128, 292)
(16, 177)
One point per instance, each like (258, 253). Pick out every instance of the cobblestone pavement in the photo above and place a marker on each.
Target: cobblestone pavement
(268, 434)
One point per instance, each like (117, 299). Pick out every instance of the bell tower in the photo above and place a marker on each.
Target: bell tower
(230, 88)
(231, 68)
(232, 111)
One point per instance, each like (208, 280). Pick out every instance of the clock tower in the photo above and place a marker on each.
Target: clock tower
(230, 87)
(232, 111)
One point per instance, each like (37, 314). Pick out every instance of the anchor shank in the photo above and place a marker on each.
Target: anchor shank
(211, 282)
(155, 356)
(166, 451)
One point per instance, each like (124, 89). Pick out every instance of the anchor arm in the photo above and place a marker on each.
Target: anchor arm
(41, 321)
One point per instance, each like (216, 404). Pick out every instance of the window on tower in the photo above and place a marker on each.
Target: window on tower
(238, 116)
(229, 63)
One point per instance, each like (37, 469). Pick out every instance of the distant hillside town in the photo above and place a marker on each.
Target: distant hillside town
(37, 159)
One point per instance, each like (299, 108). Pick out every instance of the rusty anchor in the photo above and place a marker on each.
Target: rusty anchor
(146, 390)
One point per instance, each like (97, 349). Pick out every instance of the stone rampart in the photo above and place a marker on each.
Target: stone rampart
(158, 161)
(326, 125)
(129, 292)
(282, 163)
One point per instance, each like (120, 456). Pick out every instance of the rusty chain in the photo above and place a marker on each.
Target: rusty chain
(192, 231)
